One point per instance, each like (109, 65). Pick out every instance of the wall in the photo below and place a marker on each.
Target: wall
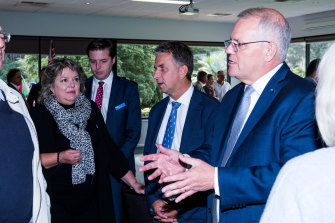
(42, 24)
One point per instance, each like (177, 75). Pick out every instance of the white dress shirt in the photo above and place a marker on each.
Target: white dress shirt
(184, 100)
(106, 92)
(258, 86)
(221, 90)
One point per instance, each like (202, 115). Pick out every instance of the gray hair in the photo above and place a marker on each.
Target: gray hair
(55, 68)
(272, 25)
(325, 97)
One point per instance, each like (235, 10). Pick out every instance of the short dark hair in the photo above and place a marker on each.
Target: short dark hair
(312, 67)
(209, 76)
(55, 68)
(201, 74)
(102, 44)
(181, 54)
(11, 73)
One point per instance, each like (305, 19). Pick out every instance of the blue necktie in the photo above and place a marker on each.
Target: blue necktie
(237, 124)
(171, 126)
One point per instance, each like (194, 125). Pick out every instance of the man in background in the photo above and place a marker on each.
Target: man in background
(201, 81)
(23, 188)
(221, 86)
(118, 100)
(179, 122)
(311, 71)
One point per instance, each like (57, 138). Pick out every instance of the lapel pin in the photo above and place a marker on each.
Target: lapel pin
(272, 90)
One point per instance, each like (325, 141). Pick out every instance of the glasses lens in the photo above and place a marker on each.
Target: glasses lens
(227, 43)
(5, 36)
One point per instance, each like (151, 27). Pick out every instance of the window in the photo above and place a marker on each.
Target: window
(296, 58)
(317, 49)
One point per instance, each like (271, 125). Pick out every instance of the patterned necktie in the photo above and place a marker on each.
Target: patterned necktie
(98, 97)
(237, 124)
(171, 126)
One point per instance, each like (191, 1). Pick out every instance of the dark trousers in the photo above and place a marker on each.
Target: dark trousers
(62, 214)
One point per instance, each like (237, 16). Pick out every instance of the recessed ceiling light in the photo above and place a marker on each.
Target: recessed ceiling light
(176, 2)
(219, 14)
(88, 3)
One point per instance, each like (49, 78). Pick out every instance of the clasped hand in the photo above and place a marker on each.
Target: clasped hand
(170, 166)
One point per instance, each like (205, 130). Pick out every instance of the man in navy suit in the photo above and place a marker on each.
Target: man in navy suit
(278, 123)
(120, 107)
(173, 70)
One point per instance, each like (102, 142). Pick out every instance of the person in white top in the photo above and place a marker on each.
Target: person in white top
(221, 86)
(23, 187)
(304, 190)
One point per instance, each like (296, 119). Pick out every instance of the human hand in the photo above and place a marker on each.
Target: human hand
(139, 188)
(200, 177)
(166, 163)
(164, 212)
(70, 156)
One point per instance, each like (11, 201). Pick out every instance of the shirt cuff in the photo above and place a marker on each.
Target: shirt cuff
(216, 182)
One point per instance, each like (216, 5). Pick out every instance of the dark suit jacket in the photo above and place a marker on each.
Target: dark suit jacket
(196, 129)
(280, 127)
(123, 124)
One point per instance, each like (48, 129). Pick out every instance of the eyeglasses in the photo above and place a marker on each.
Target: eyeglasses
(5, 36)
(235, 46)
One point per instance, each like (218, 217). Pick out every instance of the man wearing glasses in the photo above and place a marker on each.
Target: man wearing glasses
(269, 119)
(23, 188)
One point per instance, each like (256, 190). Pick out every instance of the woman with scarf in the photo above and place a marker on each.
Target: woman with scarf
(77, 152)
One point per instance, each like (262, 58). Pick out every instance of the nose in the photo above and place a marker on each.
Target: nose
(229, 49)
(98, 65)
(2, 43)
(156, 74)
(72, 83)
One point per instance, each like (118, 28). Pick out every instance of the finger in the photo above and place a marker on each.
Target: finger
(168, 220)
(167, 151)
(188, 160)
(155, 174)
(162, 178)
(148, 166)
(184, 195)
(150, 157)
(176, 177)
(175, 188)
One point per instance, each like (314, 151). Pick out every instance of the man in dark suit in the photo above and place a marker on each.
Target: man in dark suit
(173, 69)
(119, 102)
(269, 119)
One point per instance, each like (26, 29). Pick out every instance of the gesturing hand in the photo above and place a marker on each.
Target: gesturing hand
(198, 178)
(167, 163)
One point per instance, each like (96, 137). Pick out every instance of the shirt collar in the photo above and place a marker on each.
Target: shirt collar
(186, 97)
(261, 83)
(107, 81)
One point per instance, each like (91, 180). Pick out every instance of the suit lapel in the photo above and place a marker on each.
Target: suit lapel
(156, 121)
(114, 95)
(228, 108)
(193, 118)
(264, 102)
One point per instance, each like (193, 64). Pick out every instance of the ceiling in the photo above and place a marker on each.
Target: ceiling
(128, 8)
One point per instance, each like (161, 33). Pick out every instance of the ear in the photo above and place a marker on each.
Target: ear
(182, 71)
(113, 60)
(270, 51)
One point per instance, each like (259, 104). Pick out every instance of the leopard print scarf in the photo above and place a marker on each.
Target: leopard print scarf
(72, 123)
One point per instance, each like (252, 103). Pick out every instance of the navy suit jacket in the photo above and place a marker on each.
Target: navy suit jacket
(196, 130)
(123, 124)
(280, 127)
